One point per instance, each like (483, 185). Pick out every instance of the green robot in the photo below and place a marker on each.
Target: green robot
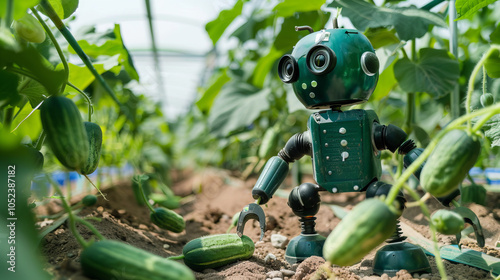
(330, 69)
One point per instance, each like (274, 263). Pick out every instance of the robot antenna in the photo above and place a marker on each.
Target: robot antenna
(304, 27)
(335, 23)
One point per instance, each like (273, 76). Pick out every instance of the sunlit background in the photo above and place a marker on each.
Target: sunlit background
(180, 38)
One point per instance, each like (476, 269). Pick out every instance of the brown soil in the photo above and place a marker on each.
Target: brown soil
(209, 211)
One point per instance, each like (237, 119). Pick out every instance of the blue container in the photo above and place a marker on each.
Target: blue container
(493, 175)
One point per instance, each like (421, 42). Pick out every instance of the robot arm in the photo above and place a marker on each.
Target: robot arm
(388, 137)
(276, 167)
(271, 178)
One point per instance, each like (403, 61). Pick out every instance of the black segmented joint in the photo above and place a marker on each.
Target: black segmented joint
(406, 147)
(296, 147)
(388, 137)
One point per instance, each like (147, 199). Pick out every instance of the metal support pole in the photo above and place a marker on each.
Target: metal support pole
(455, 94)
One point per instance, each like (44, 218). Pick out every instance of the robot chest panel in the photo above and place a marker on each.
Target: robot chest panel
(343, 156)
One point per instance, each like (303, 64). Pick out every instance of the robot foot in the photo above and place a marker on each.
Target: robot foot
(397, 255)
(304, 246)
(394, 257)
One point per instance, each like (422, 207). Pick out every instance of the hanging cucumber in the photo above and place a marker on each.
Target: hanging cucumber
(66, 135)
(452, 158)
(94, 137)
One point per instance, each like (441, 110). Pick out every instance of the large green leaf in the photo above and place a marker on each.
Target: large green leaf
(421, 135)
(409, 22)
(249, 29)
(31, 60)
(237, 106)
(435, 72)
(387, 54)
(109, 43)
(216, 27)
(466, 8)
(288, 37)
(492, 64)
(290, 7)
(20, 7)
(495, 35)
(208, 97)
(380, 37)
(63, 8)
(34, 91)
(80, 75)
(386, 82)
(492, 130)
(8, 88)
(264, 65)
(31, 124)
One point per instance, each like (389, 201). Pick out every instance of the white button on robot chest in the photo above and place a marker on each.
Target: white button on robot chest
(344, 155)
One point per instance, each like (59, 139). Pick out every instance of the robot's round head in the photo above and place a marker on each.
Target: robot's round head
(331, 68)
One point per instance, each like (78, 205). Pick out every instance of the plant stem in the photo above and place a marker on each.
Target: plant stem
(426, 212)
(455, 93)
(68, 186)
(71, 215)
(10, 10)
(139, 182)
(482, 121)
(22, 72)
(79, 51)
(87, 98)
(484, 79)
(257, 201)
(410, 111)
(410, 97)
(88, 179)
(180, 257)
(56, 45)
(9, 114)
(472, 79)
(40, 140)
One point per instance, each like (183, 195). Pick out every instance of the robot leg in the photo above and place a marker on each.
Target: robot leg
(397, 254)
(305, 202)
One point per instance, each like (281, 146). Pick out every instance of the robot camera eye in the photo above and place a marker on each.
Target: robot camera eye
(321, 59)
(288, 69)
(369, 63)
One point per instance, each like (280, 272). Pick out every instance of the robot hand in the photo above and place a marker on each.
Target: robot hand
(251, 211)
(269, 181)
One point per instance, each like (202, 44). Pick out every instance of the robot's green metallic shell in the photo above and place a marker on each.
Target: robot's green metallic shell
(348, 82)
(344, 157)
